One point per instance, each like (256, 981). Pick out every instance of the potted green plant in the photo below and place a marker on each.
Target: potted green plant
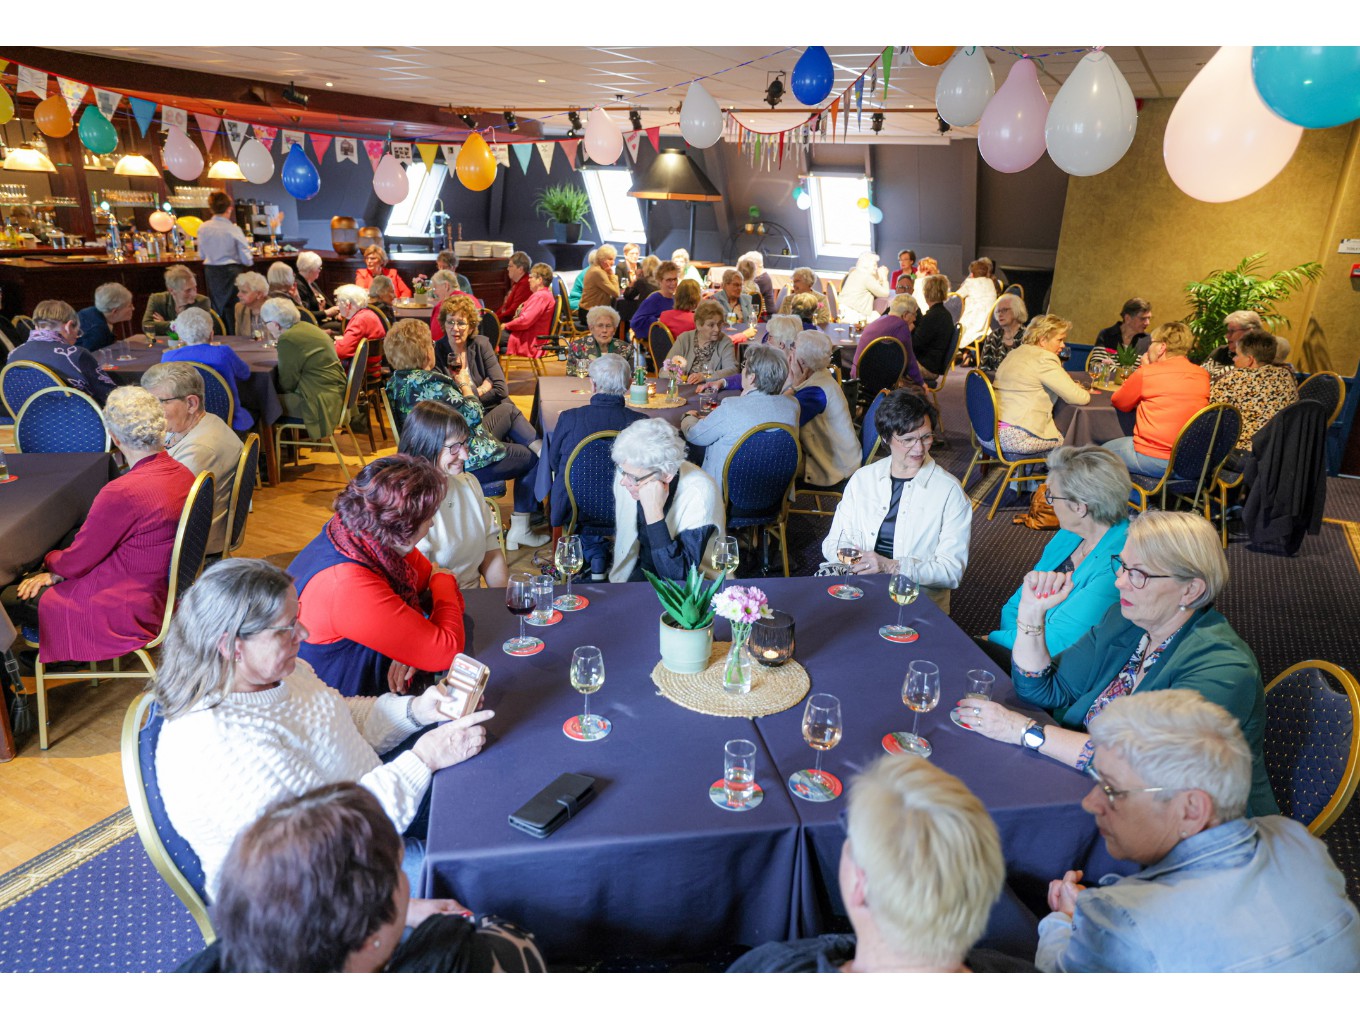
(687, 623)
(1240, 290)
(565, 206)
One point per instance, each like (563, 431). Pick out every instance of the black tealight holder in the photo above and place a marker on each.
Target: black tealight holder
(772, 640)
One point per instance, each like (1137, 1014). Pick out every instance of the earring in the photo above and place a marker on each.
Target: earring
(1182, 608)
(377, 943)
(1185, 835)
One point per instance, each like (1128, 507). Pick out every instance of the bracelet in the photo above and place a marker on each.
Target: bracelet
(410, 712)
(1029, 629)
(1088, 753)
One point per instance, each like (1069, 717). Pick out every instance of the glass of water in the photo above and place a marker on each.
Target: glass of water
(739, 772)
(543, 600)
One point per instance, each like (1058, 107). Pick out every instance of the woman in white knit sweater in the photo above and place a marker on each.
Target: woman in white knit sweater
(246, 722)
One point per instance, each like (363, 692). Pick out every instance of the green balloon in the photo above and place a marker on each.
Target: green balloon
(96, 133)
(754, 212)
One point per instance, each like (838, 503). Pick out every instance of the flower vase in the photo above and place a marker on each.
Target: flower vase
(735, 679)
(673, 390)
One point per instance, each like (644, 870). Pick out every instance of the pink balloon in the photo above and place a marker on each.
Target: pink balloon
(1222, 142)
(604, 140)
(161, 220)
(1011, 132)
(182, 157)
(390, 182)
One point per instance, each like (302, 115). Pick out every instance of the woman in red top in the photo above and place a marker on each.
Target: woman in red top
(364, 589)
(361, 323)
(535, 318)
(680, 319)
(375, 264)
(1166, 391)
(518, 272)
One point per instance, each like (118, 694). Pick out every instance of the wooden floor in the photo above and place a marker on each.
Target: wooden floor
(49, 796)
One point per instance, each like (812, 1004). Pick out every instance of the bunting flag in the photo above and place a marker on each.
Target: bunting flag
(569, 146)
(320, 143)
(30, 79)
(207, 127)
(73, 92)
(502, 153)
(236, 133)
(142, 112)
(374, 148)
(632, 139)
(346, 150)
(887, 70)
(835, 109)
(654, 136)
(291, 138)
(523, 152)
(428, 151)
(173, 116)
(859, 103)
(402, 151)
(264, 134)
(107, 102)
(545, 152)
(781, 149)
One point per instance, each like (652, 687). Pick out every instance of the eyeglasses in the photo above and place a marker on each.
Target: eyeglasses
(169, 400)
(915, 442)
(635, 479)
(455, 447)
(1050, 496)
(1114, 794)
(290, 629)
(457, 324)
(1137, 578)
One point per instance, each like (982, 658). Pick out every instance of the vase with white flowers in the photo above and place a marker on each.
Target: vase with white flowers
(675, 366)
(741, 607)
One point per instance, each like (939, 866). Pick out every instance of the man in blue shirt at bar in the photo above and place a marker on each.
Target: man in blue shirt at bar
(226, 254)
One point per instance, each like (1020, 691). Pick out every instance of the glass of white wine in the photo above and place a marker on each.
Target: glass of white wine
(568, 560)
(587, 676)
(920, 693)
(980, 683)
(849, 549)
(903, 589)
(727, 555)
(822, 731)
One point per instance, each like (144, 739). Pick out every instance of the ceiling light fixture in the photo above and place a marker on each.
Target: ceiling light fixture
(225, 170)
(469, 120)
(134, 164)
(511, 122)
(330, 84)
(941, 125)
(877, 121)
(774, 90)
(28, 157)
(635, 115)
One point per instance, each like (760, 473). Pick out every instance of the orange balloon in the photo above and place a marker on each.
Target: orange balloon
(476, 166)
(53, 118)
(933, 56)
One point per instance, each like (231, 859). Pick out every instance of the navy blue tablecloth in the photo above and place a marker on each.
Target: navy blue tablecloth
(259, 394)
(52, 493)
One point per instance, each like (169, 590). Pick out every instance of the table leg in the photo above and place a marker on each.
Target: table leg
(271, 460)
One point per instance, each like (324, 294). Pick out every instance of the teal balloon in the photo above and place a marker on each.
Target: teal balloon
(813, 76)
(875, 214)
(300, 178)
(96, 133)
(1311, 86)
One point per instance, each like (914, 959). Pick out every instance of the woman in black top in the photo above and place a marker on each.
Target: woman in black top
(473, 362)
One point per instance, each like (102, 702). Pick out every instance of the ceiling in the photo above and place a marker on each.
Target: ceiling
(539, 83)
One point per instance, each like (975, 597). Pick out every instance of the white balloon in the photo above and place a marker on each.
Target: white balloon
(1093, 118)
(604, 140)
(390, 182)
(804, 201)
(182, 157)
(255, 161)
(965, 87)
(1222, 142)
(701, 122)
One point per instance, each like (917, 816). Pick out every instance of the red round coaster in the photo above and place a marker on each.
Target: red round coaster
(844, 591)
(11, 478)
(520, 653)
(555, 618)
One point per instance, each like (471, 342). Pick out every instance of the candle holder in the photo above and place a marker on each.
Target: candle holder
(772, 640)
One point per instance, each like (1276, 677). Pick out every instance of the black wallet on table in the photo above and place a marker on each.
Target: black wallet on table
(548, 810)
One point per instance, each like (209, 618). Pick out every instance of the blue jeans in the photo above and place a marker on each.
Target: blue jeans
(413, 864)
(1138, 463)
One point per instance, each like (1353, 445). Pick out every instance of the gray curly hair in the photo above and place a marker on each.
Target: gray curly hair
(135, 420)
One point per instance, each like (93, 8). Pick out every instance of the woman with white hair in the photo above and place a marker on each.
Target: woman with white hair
(762, 402)
(1236, 325)
(1011, 315)
(868, 280)
(760, 278)
(112, 306)
(311, 296)
(194, 329)
(53, 342)
(826, 429)
(282, 281)
(601, 285)
(361, 321)
(688, 271)
(1163, 633)
(667, 511)
(803, 281)
(252, 291)
(1218, 892)
(311, 379)
(603, 323)
(897, 322)
(1028, 383)
(104, 595)
(375, 265)
(181, 292)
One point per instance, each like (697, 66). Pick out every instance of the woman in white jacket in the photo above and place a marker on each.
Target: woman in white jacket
(912, 514)
(868, 280)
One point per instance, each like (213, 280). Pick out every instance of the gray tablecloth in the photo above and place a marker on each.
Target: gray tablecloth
(1093, 424)
(259, 394)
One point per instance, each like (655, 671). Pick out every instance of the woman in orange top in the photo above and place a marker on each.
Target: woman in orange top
(375, 264)
(1166, 391)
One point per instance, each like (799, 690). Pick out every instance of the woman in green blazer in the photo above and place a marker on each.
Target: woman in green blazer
(311, 380)
(163, 307)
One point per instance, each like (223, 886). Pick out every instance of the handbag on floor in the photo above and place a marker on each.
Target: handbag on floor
(1040, 516)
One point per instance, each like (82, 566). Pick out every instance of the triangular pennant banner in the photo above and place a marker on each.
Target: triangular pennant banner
(374, 148)
(291, 138)
(346, 150)
(264, 134)
(835, 109)
(73, 92)
(632, 139)
(545, 152)
(107, 102)
(207, 126)
(142, 112)
(654, 136)
(523, 153)
(428, 151)
(320, 143)
(30, 79)
(859, 103)
(887, 70)
(173, 116)
(569, 146)
(236, 134)
(402, 150)
(502, 153)
(450, 154)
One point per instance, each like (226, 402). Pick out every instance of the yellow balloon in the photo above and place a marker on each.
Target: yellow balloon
(863, 203)
(6, 107)
(933, 56)
(476, 166)
(189, 224)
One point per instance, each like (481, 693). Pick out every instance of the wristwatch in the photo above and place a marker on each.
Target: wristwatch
(1032, 736)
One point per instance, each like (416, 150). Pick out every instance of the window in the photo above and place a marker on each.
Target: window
(411, 217)
(839, 225)
(617, 214)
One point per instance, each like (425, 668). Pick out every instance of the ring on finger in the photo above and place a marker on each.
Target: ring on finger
(977, 711)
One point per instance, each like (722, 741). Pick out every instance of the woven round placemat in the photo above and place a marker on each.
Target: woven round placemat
(772, 690)
(658, 401)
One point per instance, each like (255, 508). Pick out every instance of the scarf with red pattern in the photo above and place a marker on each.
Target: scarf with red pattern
(383, 561)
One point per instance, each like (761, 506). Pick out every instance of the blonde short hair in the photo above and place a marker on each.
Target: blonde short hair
(1183, 545)
(1045, 327)
(542, 272)
(135, 419)
(606, 253)
(935, 289)
(54, 313)
(1094, 476)
(1177, 337)
(409, 344)
(382, 255)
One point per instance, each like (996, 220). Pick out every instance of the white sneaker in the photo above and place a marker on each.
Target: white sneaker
(520, 534)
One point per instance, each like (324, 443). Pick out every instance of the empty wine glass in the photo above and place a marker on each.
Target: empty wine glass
(920, 693)
(822, 731)
(849, 549)
(568, 559)
(726, 555)
(903, 589)
(587, 676)
(519, 599)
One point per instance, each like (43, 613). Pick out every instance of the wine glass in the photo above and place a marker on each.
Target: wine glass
(568, 558)
(519, 599)
(849, 549)
(587, 676)
(727, 555)
(920, 693)
(822, 731)
(903, 589)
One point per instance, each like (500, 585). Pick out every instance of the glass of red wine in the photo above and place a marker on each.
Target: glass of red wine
(520, 600)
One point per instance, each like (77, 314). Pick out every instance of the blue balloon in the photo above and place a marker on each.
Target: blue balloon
(875, 214)
(1312, 86)
(813, 76)
(300, 178)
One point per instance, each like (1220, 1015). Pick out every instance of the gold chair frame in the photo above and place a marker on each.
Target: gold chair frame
(391, 418)
(1335, 412)
(215, 374)
(981, 459)
(219, 327)
(1207, 477)
(358, 369)
(781, 523)
(69, 392)
(1350, 777)
(238, 484)
(57, 382)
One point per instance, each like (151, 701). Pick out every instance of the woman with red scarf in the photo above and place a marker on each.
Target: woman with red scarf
(376, 610)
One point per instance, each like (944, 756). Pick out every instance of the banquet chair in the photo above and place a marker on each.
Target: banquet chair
(1312, 744)
(391, 418)
(373, 384)
(217, 397)
(382, 316)
(186, 561)
(881, 365)
(60, 420)
(242, 489)
(23, 325)
(934, 387)
(308, 315)
(660, 340)
(1015, 289)
(496, 520)
(832, 298)
(1328, 389)
(1201, 447)
(954, 305)
(19, 380)
(490, 327)
(170, 853)
(219, 327)
(590, 485)
(984, 419)
(7, 334)
(354, 380)
(870, 442)
(757, 482)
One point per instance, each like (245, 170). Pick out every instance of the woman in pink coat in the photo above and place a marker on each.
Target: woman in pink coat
(105, 595)
(535, 317)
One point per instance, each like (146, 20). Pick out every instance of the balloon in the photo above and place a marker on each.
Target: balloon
(476, 166)
(604, 140)
(6, 107)
(52, 117)
(804, 201)
(1011, 132)
(1222, 142)
(701, 122)
(798, 191)
(1312, 86)
(862, 203)
(188, 224)
(161, 220)
(255, 161)
(932, 56)
(300, 178)
(182, 157)
(1093, 118)
(965, 87)
(390, 182)
(96, 133)
(875, 214)
(813, 76)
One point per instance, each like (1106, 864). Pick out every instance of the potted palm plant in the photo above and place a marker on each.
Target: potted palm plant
(687, 623)
(1240, 290)
(565, 206)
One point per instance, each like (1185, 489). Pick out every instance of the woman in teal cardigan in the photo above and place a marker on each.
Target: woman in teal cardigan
(1088, 488)
(1163, 634)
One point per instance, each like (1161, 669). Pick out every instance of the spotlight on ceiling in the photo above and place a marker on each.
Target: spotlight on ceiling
(941, 125)
(635, 115)
(575, 117)
(774, 91)
(292, 95)
(511, 122)
(876, 122)
(469, 120)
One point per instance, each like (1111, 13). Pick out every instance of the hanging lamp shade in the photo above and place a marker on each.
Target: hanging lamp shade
(226, 170)
(29, 159)
(136, 165)
(674, 176)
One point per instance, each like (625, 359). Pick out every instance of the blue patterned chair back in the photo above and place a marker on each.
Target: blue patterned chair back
(489, 326)
(1328, 389)
(1311, 745)
(954, 305)
(759, 474)
(590, 483)
(191, 544)
(1203, 444)
(58, 420)
(217, 397)
(881, 364)
(981, 401)
(660, 340)
(242, 491)
(19, 380)
(869, 438)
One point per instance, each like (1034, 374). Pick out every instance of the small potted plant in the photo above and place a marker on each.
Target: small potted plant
(687, 623)
(420, 285)
(565, 206)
